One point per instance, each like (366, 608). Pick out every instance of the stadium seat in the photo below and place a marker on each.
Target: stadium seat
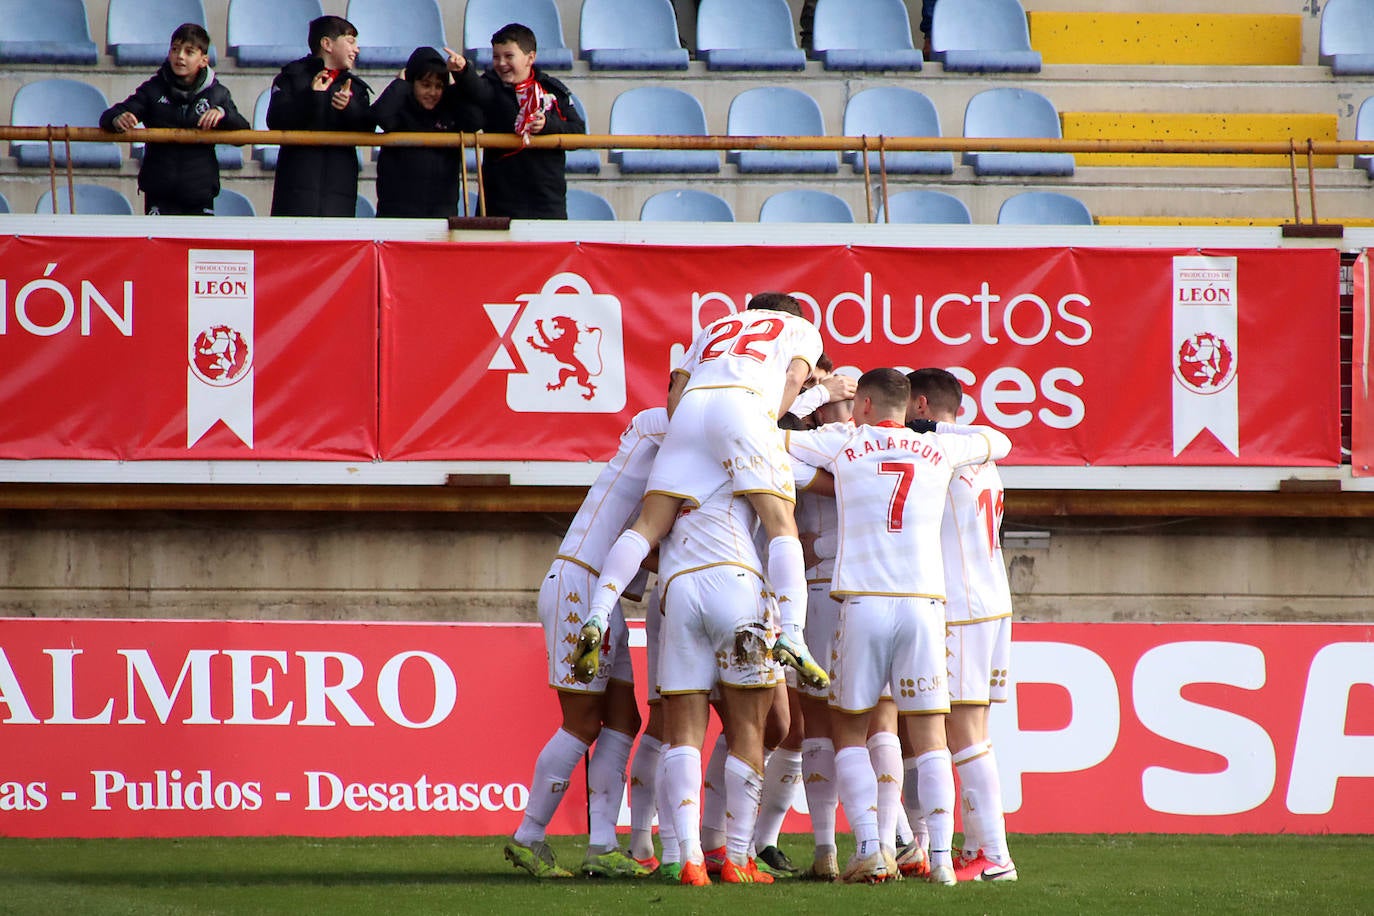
(137, 31)
(686, 205)
(389, 30)
(61, 101)
(1014, 113)
(777, 111)
(747, 35)
(982, 36)
(4, 204)
(1044, 208)
(1364, 130)
(581, 161)
(588, 205)
(269, 33)
(232, 203)
(91, 200)
(483, 17)
(1346, 43)
(364, 208)
(630, 35)
(895, 111)
(923, 206)
(657, 110)
(265, 153)
(49, 33)
(802, 205)
(864, 35)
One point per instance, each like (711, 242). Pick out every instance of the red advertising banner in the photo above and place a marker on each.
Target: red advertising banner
(173, 349)
(1361, 397)
(1083, 356)
(116, 728)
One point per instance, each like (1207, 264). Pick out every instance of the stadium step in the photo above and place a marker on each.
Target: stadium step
(1238, 126)
(1349, 222)
(1209, 39)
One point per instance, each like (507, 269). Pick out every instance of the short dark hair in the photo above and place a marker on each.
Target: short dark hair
(329, 27)
(522, 35)
(777, 302)
(941, 389)
(825, 363)
(888, 389)
(193, 34)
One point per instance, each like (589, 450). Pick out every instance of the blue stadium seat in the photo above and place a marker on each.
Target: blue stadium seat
(1346, 43)
(582, 161)
(4, 204)
(923, 206)
(982, 36)
(389, 30)
(588, 205)
(747, 35)
(630, 35)
(137, 32)
(1014, 113)
(55, 32)
(1364, 130)
(270, 33)
(864, 35)
(1044, 208)
(61, 101)
(265, 153)
(660, 110)
(232, 203)
(364, 208)
(483, 17)
(773, 111)
(895, 111)
(686, 205)
(91, 200)
(803, 205)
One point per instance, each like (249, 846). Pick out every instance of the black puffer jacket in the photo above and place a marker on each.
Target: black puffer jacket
(524, 183)
(418, 181)
(184, 172)
(316, 180)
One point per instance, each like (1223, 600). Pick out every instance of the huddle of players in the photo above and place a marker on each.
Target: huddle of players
(711, 469)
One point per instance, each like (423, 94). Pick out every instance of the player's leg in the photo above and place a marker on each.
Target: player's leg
(645, 764)
(819, 781)
(787, 578)
(685, 717)
(858, 791)
(713, 802)
(781, 776)
(885, 754)
(911, 799)
(930, 768)
(606, 780)
(746, 711)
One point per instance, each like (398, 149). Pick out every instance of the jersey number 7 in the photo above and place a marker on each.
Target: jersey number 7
(905, 472)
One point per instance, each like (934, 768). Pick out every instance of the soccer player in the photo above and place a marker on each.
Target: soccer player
(597, 706)
(889, 488)
(742, 372)
(978, 618)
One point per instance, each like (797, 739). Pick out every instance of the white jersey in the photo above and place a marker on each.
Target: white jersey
(817, 514)
(718, 533)
(890, 486)
(751, 349)
(615, 497)
(971, 541)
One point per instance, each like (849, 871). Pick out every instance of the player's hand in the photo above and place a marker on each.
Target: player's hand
(321, 81)
(840, 387)
(210, 118)
(127, 120)
(456, 62)
(343, 95)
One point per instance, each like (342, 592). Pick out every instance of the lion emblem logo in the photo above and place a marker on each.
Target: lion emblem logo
(1205, 363)
(220, 356)
(574, 346)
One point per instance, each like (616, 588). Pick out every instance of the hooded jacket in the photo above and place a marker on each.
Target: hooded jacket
(316, 180)
(420, 181)
(183, 172)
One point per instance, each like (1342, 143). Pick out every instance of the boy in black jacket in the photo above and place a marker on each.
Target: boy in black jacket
(517, 97)
(418, 181)
(179, 179)
(319, 93)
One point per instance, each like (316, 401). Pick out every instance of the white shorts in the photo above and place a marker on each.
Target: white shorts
(653, 646)
(722, 436)
(562, 612)
(979, 659)
(717, 627)
(822, 625)
(886, 640)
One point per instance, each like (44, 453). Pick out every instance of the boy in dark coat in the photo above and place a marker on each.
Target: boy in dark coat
(418, 181)
(179, 179)
(319, 92)
(517, 97)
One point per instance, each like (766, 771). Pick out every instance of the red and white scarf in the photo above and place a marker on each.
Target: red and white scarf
(533, 101)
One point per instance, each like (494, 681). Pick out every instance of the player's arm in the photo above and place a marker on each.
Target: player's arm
(675, 389)
(798, 371)
(972, 444)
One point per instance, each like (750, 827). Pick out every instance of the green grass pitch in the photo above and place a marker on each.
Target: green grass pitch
(1254, 875)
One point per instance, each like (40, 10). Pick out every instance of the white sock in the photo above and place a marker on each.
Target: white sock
(935, 777)
(859, 795)
(667, 831)
(643, 784)
(885, 754)
(981, 796)
(780, 777)
(743, 788)
(682, 787)
(713, 798)
(904, 835)
(822, 790)
(552, 770)
(620, 566)
(787, 577)
(911, 801)
(606, 786)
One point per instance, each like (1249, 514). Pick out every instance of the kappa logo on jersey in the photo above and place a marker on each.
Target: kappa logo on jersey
(562, 347)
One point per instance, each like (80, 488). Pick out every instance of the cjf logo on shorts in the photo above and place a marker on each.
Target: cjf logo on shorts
(562, 347)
